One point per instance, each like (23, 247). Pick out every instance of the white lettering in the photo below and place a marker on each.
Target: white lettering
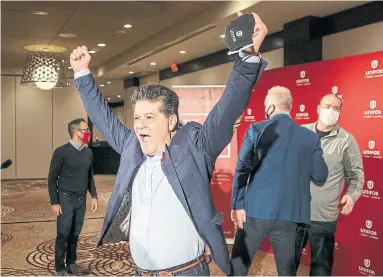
(368, 232)
(366, 270)
(302, 114)
(374, 72)
(303, 81)
(371, 152)
(370, 192)
(373, 112)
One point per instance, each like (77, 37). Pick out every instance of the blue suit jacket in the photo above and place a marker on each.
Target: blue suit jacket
(276, 162)
(189, 159)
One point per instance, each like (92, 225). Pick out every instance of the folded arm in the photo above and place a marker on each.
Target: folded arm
(99, 112)
(319, 169)
(353, 169)
(217, 131)
(243, 169)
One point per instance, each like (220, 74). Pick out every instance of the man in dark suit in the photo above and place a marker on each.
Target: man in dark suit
(271, 186)
(161, 201)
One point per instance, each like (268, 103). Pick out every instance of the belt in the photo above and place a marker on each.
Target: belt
(73, 195)
(173, 271)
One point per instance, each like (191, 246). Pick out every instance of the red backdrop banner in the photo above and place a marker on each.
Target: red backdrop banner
(195, 104)
(358, 80)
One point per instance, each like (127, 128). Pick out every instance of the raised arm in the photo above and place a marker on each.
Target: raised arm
(217, 131)
(97, 108)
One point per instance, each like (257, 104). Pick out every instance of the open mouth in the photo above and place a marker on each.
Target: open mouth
(144, 138)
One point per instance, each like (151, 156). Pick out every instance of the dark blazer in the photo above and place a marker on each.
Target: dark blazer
(278, 158)
(189, 159)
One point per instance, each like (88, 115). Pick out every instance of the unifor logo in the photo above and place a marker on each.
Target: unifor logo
(374, 64)
(371, 144)
(370, 184)
(368, 224)
(334, 89)
(239, 33)
(372, 104)
(248, 111)
(302, 108)
(303, 74)
(367, 262)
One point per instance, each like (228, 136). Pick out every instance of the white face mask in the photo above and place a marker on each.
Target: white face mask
(329, 117)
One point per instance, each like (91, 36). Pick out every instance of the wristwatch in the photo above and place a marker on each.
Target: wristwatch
(252, 54)
(94, 197)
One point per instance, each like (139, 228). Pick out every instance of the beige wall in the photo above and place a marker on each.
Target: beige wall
(151, 79)
(67, 105)
(128, 107)
(34, 131)
(357, 41)
(8, 125)
(34, 123)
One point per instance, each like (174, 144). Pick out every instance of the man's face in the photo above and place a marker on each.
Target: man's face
(152, 127)
(83, 128)
(330, 102)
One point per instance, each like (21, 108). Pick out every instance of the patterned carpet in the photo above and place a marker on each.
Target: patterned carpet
(28, 232)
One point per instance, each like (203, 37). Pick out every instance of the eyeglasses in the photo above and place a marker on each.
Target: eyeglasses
(84, 130)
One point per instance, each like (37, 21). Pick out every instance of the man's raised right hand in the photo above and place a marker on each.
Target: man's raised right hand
(56, 209)
(80, 58)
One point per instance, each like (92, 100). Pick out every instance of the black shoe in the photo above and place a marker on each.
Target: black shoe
(61, 273)
(77, 270)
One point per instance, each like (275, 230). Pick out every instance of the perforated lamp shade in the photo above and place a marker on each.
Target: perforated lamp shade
(44, 70)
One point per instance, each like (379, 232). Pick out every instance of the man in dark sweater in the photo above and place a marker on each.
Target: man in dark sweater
(70, 177)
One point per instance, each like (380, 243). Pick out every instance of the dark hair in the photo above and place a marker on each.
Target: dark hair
(73, 125)
(155, 93)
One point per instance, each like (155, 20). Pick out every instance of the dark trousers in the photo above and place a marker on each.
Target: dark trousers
(69, 225)
(322, 239)
(247, 240)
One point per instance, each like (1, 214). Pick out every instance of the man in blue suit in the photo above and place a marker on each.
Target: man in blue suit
(161, 202)
(271, 186)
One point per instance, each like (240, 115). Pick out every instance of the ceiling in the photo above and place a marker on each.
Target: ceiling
(160, 30)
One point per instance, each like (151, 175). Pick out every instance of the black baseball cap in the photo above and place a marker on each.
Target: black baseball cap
(239, 33)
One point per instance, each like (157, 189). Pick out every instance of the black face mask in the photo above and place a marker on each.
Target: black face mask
(267, 114)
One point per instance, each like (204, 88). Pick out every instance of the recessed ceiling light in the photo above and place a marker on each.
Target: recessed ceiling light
(128, 26)
(92, 51)
(109, 82)
(40, 13)
(118, 96)
(109, 98)
(222, 36)
(68, 35)
(131, 72)
(101, 44)
(69, 67)
(153, 63)
(102, 85)
(182, 52)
